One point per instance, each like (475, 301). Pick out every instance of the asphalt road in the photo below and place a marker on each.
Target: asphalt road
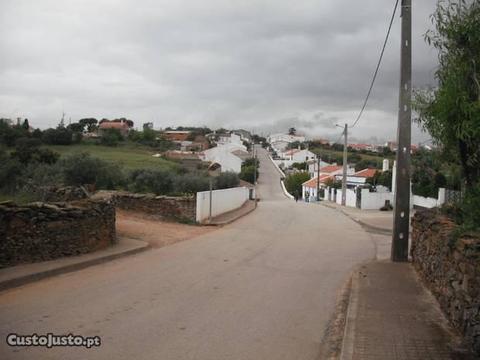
(263, 287)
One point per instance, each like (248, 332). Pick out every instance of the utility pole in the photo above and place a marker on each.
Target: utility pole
(344, 177)
(401, 214)
(254, 174)
(319, 161)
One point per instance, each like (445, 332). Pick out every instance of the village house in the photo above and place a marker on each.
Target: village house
(298, 155)
(327, 173)
(225, 157)
(279, 142)
(121, 126)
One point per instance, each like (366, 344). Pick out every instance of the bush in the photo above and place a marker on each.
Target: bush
(191, 184)
(248, 174)
(300, 166)
(111, 137)
(293, 182)
(80, 169)
(58, 136)
(159, 182)
(227, 180)
(10, 172)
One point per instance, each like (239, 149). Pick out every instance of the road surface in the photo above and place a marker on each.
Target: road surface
(263, 287)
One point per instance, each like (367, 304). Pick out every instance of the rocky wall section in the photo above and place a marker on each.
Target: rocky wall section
(41, 231)
(164, 207)
(450, 267)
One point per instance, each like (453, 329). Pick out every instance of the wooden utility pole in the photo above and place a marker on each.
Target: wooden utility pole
(319, 161)
(401, 215)
(344, 177)
(254, 174)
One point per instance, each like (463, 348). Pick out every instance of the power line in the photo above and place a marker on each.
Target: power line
(378, 65)
(376, 70)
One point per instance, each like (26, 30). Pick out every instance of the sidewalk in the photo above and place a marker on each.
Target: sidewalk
(392, 316)
(233, 215)
(374, 220)
(23, 274)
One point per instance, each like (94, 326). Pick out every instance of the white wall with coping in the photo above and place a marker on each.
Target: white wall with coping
(374, 200)
(223, 201)
(428, 202)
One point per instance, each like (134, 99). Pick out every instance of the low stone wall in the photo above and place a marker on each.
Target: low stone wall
(451, 269)
(164, 207)
(41, 231)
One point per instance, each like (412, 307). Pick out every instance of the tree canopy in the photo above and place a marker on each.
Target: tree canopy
(451, 111)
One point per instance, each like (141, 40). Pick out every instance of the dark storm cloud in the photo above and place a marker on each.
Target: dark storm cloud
(258, 64)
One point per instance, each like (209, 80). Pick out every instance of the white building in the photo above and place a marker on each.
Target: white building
(223, 155)
(297, 155)
(279, 142)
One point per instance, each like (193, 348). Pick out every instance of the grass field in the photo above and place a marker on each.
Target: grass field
(332, 154)
(128, 156)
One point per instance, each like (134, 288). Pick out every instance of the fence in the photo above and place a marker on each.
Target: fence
(222, 201)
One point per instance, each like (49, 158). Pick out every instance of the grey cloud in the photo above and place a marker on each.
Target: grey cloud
(258, 64)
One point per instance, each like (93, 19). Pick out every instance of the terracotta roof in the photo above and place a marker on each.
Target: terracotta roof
(330, 168)
(366, 173)
(176, 135)
(291, 151)
(113, 125)
(312, 183)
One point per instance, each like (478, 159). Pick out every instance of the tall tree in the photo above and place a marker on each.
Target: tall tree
(451, 111)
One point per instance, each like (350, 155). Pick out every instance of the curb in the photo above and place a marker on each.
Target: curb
(346, 352)
(284, 189)
(29, 278)
(231, 220)
(373, 228)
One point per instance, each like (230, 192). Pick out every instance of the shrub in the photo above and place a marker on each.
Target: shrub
(191, 184)
(248, 174)
(148, 180)
(80, 169)
(227, 180)
(58, 136)
(111, 137)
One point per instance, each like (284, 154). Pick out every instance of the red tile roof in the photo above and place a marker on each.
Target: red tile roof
(312, 183)
(330, 168)
(366, 173)
(113, 125)
(291, 152)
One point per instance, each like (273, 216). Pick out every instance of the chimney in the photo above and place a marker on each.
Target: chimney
(386, 165)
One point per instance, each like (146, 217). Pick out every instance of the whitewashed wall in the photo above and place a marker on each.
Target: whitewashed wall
(374, 200)
(223, 201)
(428, 202)
(351, 199)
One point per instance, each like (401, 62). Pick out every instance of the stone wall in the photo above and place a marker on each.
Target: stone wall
(41, 231)
(451, 269)
(163, 207)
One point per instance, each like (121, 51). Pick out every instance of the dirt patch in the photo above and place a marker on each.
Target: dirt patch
(156, 232)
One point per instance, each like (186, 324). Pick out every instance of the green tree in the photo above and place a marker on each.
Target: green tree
(293, 182)
(89, 123)
(451, 112)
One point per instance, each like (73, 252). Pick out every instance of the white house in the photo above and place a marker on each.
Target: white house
(297, 155)
(358, 178)
(223, 155)
(279, 142)
(309, 188)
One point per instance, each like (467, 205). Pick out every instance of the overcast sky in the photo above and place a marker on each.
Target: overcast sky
(265, 65)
